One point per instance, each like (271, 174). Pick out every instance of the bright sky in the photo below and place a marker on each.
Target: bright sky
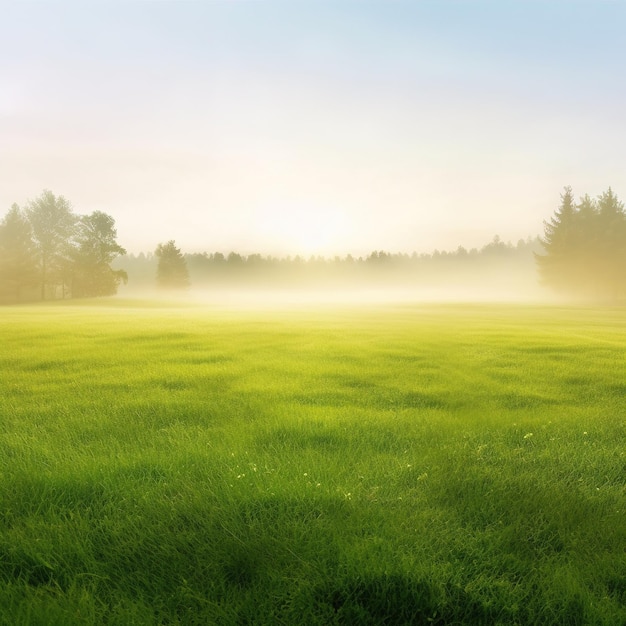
(313, 126)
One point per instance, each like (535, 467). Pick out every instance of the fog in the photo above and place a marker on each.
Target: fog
(314, 298)
(499, 272)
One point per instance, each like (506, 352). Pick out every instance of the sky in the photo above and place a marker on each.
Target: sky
(327, 127)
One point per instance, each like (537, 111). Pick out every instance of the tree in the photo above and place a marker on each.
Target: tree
(559, 242)
(585, 247)
(53, 225)
(94, 250)
(18, 256)
(48, 246)
(588, 244)
(172, 270)
(612, 232)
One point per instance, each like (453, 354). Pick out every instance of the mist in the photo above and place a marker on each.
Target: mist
(498, 272)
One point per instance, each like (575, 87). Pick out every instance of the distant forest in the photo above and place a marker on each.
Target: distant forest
(379, 268)
(48, 252)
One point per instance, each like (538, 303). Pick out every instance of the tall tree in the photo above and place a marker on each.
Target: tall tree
(18, 256)
(589, 245)
(95, 248)
(560, 242)
(53, 225)
(172, 272)
(612, 229)
(585, 247)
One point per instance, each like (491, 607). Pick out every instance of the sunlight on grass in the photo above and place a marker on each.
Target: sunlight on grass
(396, 464)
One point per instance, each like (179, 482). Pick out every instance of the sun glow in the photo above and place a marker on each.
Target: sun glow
(305, 230)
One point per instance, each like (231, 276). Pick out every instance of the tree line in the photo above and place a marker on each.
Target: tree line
(48, 252)
(175, 269)
(584, 247)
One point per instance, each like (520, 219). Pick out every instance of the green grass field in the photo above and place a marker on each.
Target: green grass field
(399, 464)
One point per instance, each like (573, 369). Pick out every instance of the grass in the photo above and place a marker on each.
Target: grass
(436, 464)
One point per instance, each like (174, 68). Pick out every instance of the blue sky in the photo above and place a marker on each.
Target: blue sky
(312, 126)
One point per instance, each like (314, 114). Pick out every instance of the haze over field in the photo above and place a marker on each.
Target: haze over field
(312, 127)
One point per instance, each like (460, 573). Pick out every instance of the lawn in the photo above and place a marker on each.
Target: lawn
(372, 464)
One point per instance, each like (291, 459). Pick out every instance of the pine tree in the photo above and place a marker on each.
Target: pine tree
(612, 231)
(585, 247)
(560, 241)
(588, 244)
